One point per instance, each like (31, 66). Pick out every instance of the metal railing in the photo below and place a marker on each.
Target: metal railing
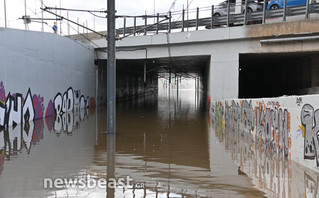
(211, 20)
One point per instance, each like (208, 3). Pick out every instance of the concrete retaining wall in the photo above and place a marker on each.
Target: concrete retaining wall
(286, 126)
(41, 74)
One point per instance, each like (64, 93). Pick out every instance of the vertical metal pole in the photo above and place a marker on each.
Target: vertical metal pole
(228, 13)
(157, 24)
(144, 71)
(78, 26)
(169, 22)
(245, 13)
(307, 10)
(145, 30)
(183, 20)
(154, 11)
(56, 20)
(284, 10)
(264, 12)
(110, 173)
(42, 29)
(187, 14)
(94, 22)
(5, 14)
(212, 18)
(134, 26)
(197, 20)
(124, 29)
(111, 68)
(177, 88)
(87, 30)
(60, 21)
(68, 23)
(25, 13)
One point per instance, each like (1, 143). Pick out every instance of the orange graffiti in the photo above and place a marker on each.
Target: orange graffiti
(289, 142)
(289, 122)
(277, 140)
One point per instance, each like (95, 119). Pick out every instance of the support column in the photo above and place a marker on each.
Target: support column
(144, 77)
(223, 76)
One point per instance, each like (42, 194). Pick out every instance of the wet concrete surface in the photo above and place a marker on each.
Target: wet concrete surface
(166, 143)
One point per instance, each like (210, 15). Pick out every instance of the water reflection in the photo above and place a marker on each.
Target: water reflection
(14, 139)
(111, 141)
(30, 152)
(164, 144)
(270, 172)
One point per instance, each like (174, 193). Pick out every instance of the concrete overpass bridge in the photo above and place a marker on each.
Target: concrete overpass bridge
(250, 61)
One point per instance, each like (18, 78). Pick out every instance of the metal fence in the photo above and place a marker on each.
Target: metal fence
(209, 19)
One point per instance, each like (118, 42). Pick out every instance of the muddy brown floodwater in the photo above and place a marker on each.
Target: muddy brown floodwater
(165, 143)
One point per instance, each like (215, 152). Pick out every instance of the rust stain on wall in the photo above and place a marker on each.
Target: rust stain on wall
(283, 28)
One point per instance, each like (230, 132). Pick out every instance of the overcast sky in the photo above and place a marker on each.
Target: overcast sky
(16, 9)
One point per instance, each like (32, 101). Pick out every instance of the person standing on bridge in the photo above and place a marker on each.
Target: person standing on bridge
(55, 28)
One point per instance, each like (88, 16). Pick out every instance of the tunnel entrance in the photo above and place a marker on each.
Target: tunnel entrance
(139, 77)
(274, 75)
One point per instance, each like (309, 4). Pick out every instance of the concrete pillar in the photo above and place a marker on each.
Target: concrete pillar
(223, 76)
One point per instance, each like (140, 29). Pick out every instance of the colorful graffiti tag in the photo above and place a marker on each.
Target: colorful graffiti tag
(14, 109)
(257, 135)
(309, 119)
(265, 124)
(21, 118)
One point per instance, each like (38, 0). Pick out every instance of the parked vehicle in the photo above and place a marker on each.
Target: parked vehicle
(252, 6)
(276, 4)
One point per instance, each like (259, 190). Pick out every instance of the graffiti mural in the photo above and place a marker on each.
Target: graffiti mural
(65, 106)
(310, 119)
(272, 125)
(311, 185)
(265, 124)
(16, 109)
(69, 101)
(271, 172)
(287, 126)
(21, 118)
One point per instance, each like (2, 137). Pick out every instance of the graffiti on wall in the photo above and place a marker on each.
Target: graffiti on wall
(66, 105)
(15, 109)
(13, 140)
(310, 119)
(269, 172)
(273, 127)
(265, 124)
(21, 123)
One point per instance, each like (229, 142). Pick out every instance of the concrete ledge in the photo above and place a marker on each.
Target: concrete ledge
(308, 26)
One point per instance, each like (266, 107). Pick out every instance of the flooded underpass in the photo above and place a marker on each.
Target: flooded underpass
(166, 145)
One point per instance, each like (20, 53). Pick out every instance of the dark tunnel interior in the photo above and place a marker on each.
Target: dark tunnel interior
(274, 75)
(130, 74)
